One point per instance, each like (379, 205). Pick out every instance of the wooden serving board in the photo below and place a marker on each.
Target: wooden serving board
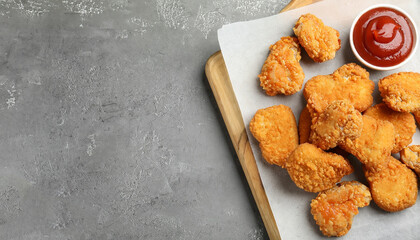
(221, 86)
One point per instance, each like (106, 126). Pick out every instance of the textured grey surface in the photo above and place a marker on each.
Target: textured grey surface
(109, 129)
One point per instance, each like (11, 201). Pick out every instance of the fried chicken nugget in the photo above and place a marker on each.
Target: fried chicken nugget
(393, 187)
(321, 42)
(334, 209)
(281, 72)
(374, 144)
(410, 156)
(337, 122)
(349, 82)
(305, 122)
(401, 91)
(404, 124)
(276, 130)
(314, 170)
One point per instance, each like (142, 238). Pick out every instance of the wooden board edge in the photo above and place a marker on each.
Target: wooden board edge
(297, 4)
(222, 90)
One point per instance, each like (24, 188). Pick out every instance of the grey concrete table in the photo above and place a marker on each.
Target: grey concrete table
(109, 129)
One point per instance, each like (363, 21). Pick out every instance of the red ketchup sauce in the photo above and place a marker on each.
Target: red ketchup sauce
(383, 37)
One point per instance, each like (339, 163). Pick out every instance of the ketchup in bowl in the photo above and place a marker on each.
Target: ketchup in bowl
(383, 36)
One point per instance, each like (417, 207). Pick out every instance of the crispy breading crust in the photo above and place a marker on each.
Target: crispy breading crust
(374, 144)
(393, 187)
(410, 156)
(314, 170)
(321, 42)
(305, 122)
(401, 91)
(334, 209)
(404, 123)
(349, 82)
(281, 72)
(338, 121)
(276, 130)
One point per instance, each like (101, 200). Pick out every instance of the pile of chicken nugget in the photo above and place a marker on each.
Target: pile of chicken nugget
(339, 120)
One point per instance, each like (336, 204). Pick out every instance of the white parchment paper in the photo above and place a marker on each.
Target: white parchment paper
(244, 47)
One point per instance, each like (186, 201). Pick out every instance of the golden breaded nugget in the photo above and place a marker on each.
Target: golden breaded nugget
(337, 122)
(314, 170)
(281, 72)
(349, 82)
(393, 187)
(321, 42)
(417, 116)
(410, 156)
(334, 209)
(404, 124)
(305, 122)
(276, 130)
(401, 91)
(374, 144)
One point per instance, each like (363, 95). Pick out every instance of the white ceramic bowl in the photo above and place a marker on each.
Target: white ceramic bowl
(414, 31)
